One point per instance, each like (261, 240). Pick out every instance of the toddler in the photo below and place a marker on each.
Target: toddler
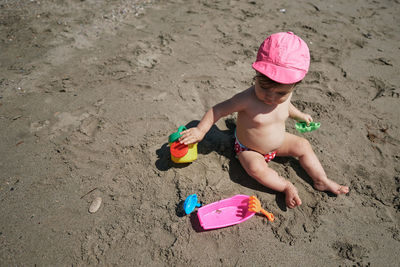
(282, 62)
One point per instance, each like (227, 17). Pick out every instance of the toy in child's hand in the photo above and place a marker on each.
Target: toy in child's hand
(255, 206)
(181, 153)
(302, 127)
(190, 204)
(176, 135)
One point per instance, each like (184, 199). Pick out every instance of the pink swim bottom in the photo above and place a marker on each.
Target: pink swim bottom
(239, 148)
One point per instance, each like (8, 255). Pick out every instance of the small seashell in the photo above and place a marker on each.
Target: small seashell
(95, 205)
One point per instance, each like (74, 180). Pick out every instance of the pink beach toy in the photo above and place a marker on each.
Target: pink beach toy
(225, 212)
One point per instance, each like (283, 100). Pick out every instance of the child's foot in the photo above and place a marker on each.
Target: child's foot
(331, 186)
(292, 196)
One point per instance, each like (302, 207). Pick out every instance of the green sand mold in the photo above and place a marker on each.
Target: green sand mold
(303, 128)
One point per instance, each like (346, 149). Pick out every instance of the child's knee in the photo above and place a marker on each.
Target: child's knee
(304, 146)
(255, 169)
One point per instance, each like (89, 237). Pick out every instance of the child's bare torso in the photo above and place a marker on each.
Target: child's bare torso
(261, 127)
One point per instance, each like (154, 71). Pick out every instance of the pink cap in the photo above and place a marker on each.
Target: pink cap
(283, 57)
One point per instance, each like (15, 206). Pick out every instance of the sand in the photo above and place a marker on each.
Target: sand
(90, 91)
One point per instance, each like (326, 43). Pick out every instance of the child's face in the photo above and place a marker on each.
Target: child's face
(273, 95)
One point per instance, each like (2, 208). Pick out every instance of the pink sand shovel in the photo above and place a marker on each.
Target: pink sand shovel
(225, 212)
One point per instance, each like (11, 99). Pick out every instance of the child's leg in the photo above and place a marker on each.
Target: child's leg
(299, 147)
(255, 165)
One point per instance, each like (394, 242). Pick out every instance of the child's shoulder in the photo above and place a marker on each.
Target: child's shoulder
(247, 93)
(244, 98)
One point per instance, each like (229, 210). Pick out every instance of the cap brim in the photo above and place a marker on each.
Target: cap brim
(279, 74)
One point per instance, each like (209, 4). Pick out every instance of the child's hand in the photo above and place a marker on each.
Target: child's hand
(191, 136)
(306, 118)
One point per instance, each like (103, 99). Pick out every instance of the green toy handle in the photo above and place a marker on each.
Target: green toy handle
(181, 128)
(175, 136)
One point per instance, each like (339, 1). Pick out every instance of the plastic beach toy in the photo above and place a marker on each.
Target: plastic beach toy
(255, 206)
(181, 153)
(225, 212)
(190, 204)
(302, 126)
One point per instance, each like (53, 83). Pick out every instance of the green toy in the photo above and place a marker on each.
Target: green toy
(302, 126)
(175, 136)
(181, 153)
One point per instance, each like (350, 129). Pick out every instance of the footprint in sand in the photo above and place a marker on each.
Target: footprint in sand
(66, 121)
(352, 252)
(89, 126)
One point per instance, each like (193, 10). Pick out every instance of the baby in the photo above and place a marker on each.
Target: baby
(282, 62)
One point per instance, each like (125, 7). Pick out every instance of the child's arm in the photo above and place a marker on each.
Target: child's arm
(296, 114)
(196, 134)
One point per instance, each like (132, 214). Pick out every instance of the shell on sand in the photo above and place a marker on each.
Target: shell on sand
(95, 205)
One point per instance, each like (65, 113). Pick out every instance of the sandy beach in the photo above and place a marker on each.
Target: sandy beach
(90, 91)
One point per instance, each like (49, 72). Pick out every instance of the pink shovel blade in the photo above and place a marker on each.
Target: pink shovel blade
(225, 212)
